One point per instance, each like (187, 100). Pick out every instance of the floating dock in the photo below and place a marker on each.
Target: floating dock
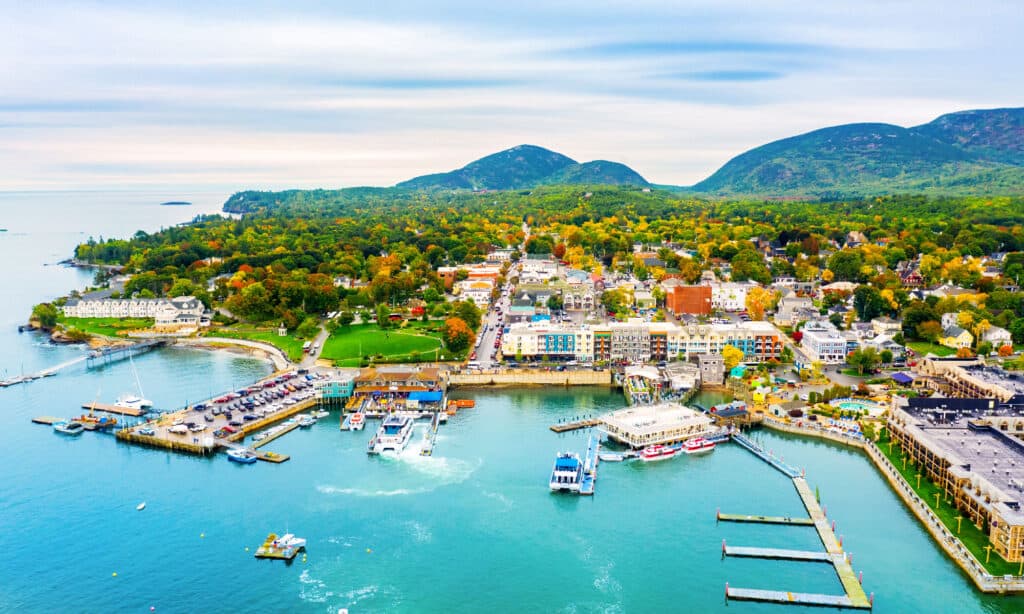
(564, 427)
(431, 437)
(590, 462)
(272, 436)
(776, 554)
(269, 551)
(114, 409)
(810, 599)
(47, 420)
(803, 522)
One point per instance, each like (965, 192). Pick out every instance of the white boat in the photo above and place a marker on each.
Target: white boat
(321, 414)
(612, 457)
(141, 506)
(307, 421)
(698, 445)
(241, 455)
(357, 421)
(260, 436)
(567, 474)
(393, 435)
(659, 452)
(69, 428)
(442, 416)
(290, 541)
(132, 401)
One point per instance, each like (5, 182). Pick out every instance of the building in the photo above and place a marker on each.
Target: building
(886, 325)
(712, 368)
(973, 378)
(642, 426)
(477, 290)
(956, 338)
(790, 307)
(500, 255)
(688, 299)
(335, 386)
(966, 446)
(822, 342)
(682, 376)
(730, 296)
(644, 300)
(180, 310)
(997, 336)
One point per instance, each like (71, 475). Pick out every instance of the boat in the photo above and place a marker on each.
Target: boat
(612, 457)
(290, 541)
(356, 421)
(307, 421)
(321, 414)
(242, 455)
(92, 422)
(147, 431)
(465, 403)
(393, 435)
(284, 547)
(141, 506)
(260, 436)
(132, 401)
(698, 445)
(442, 417)
(69, 427)
(567, 473)
(659, 452)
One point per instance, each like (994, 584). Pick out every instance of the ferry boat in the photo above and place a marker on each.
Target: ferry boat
(393, 435)
(658, 452)
(68, 427)
(567, 474)
(246, 457)
(356, 421)
(698, 445)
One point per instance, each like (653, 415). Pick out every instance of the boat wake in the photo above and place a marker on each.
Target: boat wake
(497, 496)
(363, 492)
(313, 590)
(421, 533)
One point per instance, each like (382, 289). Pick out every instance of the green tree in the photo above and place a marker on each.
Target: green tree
(345, 318)
(865, 359)
(45, 314)
(468, 313)
(383, 314)
(846, 265)
(886, 357)
(929, 331)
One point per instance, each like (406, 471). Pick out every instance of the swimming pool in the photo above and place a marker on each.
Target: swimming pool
(858, 405)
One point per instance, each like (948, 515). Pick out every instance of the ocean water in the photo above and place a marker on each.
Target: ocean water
(470, 529)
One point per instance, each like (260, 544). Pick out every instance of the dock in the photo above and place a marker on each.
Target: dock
(590, 462)
(776, 554)
(804, 522)
(565, 427)
(47, 420)
(271, 551)
(854, 596)
(272, 436)
(809, 599)
(114, 409)
(115, 353)
(431, 435)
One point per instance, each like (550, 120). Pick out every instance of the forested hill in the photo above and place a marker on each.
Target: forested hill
(970, 152)
(527, 166)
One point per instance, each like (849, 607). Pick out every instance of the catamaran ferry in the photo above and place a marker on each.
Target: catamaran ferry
(393, 435)
(567, 474)
(659, 452)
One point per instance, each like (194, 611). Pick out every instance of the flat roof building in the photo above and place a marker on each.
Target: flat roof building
(642, 426)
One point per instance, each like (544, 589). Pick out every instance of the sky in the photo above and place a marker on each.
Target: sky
(268, 95)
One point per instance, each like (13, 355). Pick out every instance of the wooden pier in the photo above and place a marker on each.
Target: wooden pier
(776, 554)
(565, 427)
(809, 599)
(47, 420)
(804, 522)
(114, 409)
(115, 353)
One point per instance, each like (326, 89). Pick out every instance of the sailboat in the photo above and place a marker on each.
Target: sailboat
(131, 400)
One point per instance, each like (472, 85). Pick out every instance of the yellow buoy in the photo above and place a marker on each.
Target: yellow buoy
(202, 535)
(113, 575)
(368, 550)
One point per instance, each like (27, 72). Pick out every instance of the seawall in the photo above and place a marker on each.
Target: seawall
(530, 377)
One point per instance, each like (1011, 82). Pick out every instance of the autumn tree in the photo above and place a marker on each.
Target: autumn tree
(457, 334)
(865, 359)
(929, 330)
(758, 301)
(732, 356)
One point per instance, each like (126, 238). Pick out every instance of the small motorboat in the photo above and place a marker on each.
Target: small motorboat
(69, 427)
(141, 506)
(147, 431)
(241, 455)
(307, 421)
(357, 421)
(321, 414)
(612, 457)
(698, 445)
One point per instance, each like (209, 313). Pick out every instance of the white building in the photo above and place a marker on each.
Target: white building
(642, 426)
(730, 296)
(790, 306)
(822, 342)
(997, 336)
(165, 311)
(477, 289)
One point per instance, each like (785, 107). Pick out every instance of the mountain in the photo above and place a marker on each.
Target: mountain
(966, 152)
(526, 166)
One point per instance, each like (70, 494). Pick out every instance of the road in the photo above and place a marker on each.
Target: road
(310, 359)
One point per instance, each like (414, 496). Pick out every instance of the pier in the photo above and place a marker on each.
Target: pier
(272, 436)
(854, 596)
(115, 353)
(49, 420)
(575, 425)
(804, 522)
(114, 409)
(590, 462)
(431, 438)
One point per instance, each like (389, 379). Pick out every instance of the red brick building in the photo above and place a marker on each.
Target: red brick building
(689, 299)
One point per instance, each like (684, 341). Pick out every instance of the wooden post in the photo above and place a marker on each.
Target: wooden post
(988, 553)
(959, 519)
(937, 495)
(918, 476)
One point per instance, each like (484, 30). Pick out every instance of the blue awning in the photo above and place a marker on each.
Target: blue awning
(426, 396)
(901, 378)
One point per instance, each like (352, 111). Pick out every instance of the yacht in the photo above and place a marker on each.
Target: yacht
(129, 400)
(698, 445)
(567, 474)
(69, 428)
(242, 455)
(393, 435)
(659, 452)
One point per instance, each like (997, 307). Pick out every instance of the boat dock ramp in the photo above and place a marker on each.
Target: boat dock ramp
(590, 462)
(431, 436)
(115, 353)
(854, 596)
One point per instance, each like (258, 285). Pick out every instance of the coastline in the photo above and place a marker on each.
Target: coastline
(253, 349)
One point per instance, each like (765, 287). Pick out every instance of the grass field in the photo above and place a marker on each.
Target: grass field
(290, 344)
(350, 343)
(924, 347)
(107, 327)
(972, 537)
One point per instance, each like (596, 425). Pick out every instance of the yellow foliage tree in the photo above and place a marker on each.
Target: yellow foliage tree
(732, 356)
(758, 301)
(827, 276)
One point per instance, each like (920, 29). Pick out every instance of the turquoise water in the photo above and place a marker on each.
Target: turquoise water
(472, 528)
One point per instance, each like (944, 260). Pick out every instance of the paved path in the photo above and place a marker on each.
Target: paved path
(279, 358)
(310, 359)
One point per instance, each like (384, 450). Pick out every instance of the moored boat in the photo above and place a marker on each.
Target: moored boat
(612, 457)
(307, 421)
(357, 421)
(241, 455)
(567, 473)
(132, 401)
(68, 427)
(92, 422)
(698, 445)
(659, 452)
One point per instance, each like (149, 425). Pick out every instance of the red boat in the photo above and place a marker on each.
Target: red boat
(658, 452)
(698, 445)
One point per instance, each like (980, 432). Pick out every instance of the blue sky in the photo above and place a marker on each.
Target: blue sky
(273, 95)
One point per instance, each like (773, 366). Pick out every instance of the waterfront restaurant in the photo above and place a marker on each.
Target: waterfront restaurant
(641, 426)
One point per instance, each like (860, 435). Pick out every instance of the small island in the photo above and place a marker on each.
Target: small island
(176, 203)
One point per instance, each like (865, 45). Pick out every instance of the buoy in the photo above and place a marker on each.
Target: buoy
(247, 548)
(152, 608)
(113, 575)
(202, 535)
(141, 506)
(368, 551)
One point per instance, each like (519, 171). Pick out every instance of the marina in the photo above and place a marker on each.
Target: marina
(575, 425)
(807, 522)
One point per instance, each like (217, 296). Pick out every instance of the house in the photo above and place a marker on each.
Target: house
(789, 306)
(885, 324)
(956, 338)
(822, 342)
(644, 300)
(997, 336)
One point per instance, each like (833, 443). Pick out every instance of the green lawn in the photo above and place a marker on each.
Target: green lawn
(924, 347)
(289, 344)
(349, 343)
(107, 327)
(972, 537)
